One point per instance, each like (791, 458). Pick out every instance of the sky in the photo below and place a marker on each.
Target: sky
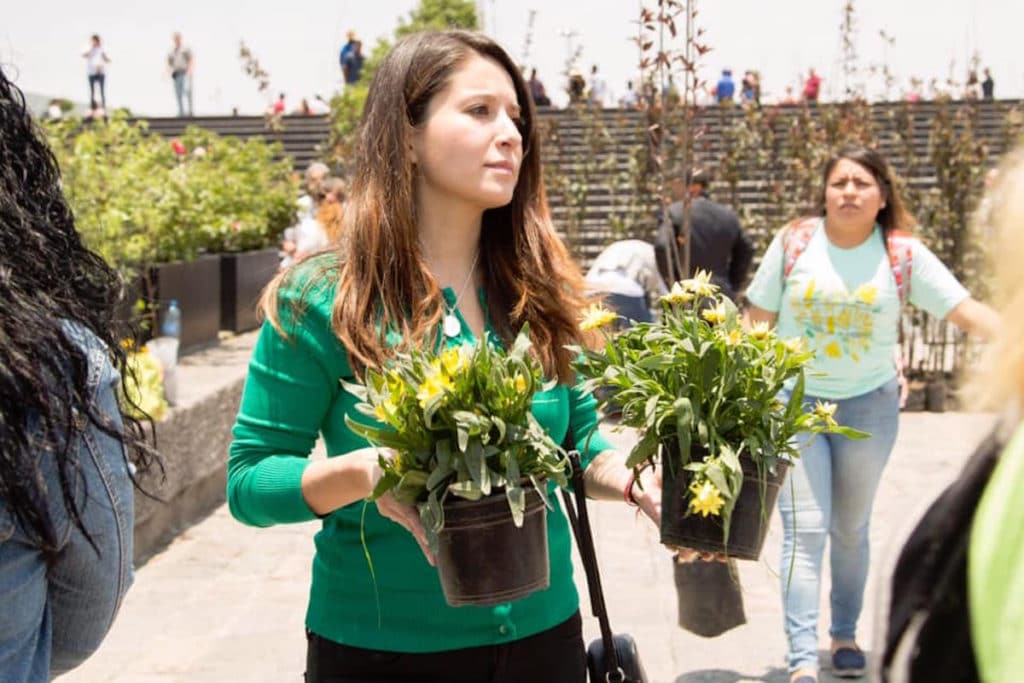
(297, 43)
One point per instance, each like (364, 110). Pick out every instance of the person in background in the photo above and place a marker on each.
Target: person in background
(181, 62)
(751, 93)
(67, 431)
(537, 90)
(837, 282)
(995, 554)
(352, 67)
(331, 208)
(725, 88)
(277, 109)
(446, 216)
(598, 92)
(630, 99)
(626, 273)
(812, 87)
(346, 50)
(577, 87)
(988, 86)
(718, 243)
(308, 204)
(96, 61)
(54, 111)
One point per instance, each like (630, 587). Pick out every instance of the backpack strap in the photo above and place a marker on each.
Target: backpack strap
(795, 240)
(900, 247)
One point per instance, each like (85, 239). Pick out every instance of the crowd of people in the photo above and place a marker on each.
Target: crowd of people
(446, 216)
(593, 89)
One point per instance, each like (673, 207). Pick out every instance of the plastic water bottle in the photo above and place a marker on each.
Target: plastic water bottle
(172, 321)
(170, 333)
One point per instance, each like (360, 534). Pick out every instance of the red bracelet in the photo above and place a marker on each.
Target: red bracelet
(627, 493)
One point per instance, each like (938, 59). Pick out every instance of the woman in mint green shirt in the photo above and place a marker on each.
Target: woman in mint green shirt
(447, 237)
(838, 283)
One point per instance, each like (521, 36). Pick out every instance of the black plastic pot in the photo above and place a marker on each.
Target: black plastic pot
(750, 517)
(484, 559)
(242, 278)
(710, 596)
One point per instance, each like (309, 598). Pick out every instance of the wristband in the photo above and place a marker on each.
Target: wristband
(627, 493)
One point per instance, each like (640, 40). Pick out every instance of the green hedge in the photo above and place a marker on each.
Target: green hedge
(140, 198)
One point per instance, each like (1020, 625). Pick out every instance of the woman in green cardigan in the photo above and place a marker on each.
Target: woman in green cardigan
(447, 236)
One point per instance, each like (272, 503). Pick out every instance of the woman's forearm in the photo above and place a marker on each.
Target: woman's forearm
(606, 476)
(336, 482)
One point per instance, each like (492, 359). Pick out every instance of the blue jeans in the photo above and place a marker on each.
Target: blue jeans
(829, 495)
(183, 91)
(53, 617)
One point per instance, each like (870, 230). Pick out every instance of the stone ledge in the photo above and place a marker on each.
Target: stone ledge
(193, 441)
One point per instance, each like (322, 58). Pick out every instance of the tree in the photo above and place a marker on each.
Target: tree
(430, 14)
(347, 106)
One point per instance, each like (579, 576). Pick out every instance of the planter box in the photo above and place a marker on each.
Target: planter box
(196, 286)
(242, 278)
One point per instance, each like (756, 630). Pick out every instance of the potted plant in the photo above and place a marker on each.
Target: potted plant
(471, 456)
(708, 400)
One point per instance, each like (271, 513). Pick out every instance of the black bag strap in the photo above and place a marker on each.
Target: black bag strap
(580, 522)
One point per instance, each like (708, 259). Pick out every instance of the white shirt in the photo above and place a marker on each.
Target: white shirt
(95, 61)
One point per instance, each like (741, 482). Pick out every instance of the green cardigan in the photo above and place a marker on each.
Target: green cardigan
(292, 394)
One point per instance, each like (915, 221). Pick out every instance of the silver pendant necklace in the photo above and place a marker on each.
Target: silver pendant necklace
(451, 325)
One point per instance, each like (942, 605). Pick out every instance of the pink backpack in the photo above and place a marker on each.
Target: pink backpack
(900, 247)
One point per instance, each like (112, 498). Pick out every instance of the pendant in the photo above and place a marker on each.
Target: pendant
(451, 326)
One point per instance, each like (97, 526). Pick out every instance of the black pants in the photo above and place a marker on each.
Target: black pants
(552, 656)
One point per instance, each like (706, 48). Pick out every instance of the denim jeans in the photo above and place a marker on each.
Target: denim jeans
(829, 495)
(183, 91)
(53, 617)
(94, 80)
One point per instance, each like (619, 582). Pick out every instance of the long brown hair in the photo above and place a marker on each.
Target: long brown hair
(895, 215)
(384, 282)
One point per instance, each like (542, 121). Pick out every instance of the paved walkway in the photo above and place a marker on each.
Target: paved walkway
(225, 602)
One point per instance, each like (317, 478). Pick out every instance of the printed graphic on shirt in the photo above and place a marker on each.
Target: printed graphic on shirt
(837, 323)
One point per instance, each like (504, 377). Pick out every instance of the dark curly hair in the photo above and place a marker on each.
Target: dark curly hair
(47, 279)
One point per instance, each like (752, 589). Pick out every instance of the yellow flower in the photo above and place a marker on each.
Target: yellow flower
(714, 315)
(734, 338)
(596, 316)
(826, 412)
(127, 343)
(451, 361)
(794, 345)
(677, 295)
(434, 384)
(520, 383)
(706, 500)
(384, 410)
(760, 330)
(700, 284)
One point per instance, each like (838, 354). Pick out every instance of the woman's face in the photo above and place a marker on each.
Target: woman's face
(469, 149)
(852, 194)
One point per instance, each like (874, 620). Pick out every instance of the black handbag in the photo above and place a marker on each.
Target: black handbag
(612, 658)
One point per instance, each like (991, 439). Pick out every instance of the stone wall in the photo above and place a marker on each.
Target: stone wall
(193, 442)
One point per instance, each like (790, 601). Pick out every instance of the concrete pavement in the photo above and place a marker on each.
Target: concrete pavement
(225, 602)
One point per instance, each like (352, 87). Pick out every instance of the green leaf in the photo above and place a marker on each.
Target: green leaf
(469, 490)
(516, 503)
(683, 410)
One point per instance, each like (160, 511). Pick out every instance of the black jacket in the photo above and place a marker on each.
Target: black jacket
(717, 244)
